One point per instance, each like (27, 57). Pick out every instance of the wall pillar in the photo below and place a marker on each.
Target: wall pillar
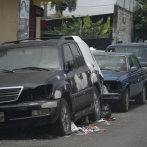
(23, 20)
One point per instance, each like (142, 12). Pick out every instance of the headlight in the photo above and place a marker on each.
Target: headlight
(105, 91)
(39, 93)
(145, 68)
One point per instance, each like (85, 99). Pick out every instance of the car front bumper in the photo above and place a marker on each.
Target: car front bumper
(111, 97)
(20, 114)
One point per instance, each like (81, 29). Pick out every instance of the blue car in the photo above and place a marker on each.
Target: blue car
(124, 78)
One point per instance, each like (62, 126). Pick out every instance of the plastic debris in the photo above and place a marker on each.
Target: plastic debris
(101, 120)
(109, 119)
(107, 123)
(106, 111)
(85, 130)
(73, 127)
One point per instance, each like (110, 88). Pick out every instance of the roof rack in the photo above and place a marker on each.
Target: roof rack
(69, 37)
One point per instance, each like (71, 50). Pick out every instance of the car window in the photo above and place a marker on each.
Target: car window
(111, 62)
(130, 62)
(68, 54)
(129, 49)
(110, 50)
(76, 55)
(42, 57)
(142, 54)
(82, 58)
(135, 61)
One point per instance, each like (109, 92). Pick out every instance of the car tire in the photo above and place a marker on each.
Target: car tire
(140, 99)
(97, 108)
(63, 124)
(123, 104)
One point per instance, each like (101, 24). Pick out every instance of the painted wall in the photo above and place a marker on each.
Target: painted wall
(8, 20)
(122, 25)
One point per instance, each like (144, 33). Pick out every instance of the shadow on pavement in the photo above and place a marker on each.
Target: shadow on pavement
(29, 133)
(132, 106)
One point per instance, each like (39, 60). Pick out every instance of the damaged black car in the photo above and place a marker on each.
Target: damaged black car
(47, 82)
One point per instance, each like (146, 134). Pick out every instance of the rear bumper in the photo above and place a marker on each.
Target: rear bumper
(18, 115)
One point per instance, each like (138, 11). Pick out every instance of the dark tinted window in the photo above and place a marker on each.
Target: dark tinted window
(130, 62)
(67, 54)
(135, 61)
(76, 55)
(82, 58)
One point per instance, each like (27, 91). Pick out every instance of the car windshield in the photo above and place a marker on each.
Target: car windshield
(140, 52)
(111, 62)
(41, 57)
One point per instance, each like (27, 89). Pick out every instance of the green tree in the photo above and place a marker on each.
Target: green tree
(60, 6)
(86, 29)
(140, 20)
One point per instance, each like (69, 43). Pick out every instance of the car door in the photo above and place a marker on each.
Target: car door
(133, 78)
(86, 73)
(85, 101)
(75, 79)
(140, 74)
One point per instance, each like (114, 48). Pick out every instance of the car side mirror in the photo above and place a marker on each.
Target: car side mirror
(69, 65)
(134, 68)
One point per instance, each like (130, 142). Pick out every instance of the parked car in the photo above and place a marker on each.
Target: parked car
(48, 82)
(139, 49)
(124, 78)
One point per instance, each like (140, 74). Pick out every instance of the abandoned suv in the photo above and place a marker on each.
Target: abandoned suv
(43, 82)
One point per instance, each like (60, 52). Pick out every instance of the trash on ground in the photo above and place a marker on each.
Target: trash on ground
(109, 119)
(84, 121)
(101, 120)
(85, 130)
(106, 111)
(107, 123)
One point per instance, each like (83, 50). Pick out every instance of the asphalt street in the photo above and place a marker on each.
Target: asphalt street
(128, 130)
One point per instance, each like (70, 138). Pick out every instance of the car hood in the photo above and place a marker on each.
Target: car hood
(112, 75)
(26, 79)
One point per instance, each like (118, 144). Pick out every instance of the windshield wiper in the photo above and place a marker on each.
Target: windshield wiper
(32, 68)
(7, 71)
(105, 69)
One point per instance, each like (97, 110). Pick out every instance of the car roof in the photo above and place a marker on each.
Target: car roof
(33, 43)
(129, 44)
(112, 53)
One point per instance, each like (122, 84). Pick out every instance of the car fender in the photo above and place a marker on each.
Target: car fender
(61, 88)
(125, 86)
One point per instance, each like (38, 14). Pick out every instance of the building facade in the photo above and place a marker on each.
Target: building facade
(12, 25)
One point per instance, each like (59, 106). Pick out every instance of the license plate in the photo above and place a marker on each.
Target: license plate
(2, 117)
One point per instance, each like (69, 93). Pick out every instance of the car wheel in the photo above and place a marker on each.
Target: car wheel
(97, 109)
(63, 123)
(123, 104)
(140, 99)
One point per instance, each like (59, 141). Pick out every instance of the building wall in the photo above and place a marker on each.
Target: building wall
(127, 4)
(8, 20)
(122, 25)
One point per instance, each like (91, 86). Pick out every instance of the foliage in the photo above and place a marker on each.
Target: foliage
(140, 20)
(87, 29)
(60, 6)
